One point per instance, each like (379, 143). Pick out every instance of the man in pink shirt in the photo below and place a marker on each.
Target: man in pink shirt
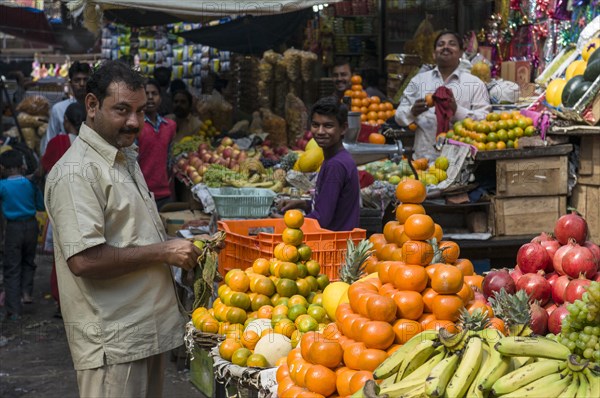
(154, 142)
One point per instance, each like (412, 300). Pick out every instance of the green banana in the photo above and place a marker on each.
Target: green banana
(440, 375)
(416, 361)
(572, 388)
(465, 373)
(519, 362)
(532, 347)
(391, 365)
(593, 380)
(415, 379)
(389, 381)
(496, 366)
(546, 387)
(521, 377)
(584, 389)
(419, 354)
(453, 341)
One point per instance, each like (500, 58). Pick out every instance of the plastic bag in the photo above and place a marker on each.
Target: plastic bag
(217, 109)
(296, 117)
(275, 126)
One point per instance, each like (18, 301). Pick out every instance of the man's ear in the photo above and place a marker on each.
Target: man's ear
(92, 105)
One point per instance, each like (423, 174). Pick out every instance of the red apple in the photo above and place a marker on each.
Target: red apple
(226, 141)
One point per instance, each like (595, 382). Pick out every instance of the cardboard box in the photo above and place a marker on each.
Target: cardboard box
(527, 215)
(518, 72)
(589, 161)
(542, 176)
(585, 199)
(174, 220)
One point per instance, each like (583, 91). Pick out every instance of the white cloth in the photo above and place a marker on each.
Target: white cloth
(55, 124)
(470, 93)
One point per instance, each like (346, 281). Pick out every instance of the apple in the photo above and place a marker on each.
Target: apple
(235, 146)
(267, 143)
(206, 157)
(227, 152)
(203, 169)
(308, 135)
(227, 141)
(243, 156)
(302, 143)
(181, 163)
(215, 158)
(203, 147)
(197, 163)
(196, 178)
(191, 170)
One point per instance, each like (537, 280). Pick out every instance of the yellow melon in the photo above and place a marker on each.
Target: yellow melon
(589, 48)
(310, 161)
(575, 69)
(331, 297)
(554, 91)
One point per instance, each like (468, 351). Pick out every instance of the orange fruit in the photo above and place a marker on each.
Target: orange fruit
(292, 236)
(450, 251)
(325, 352)
(447, 279)
(419, 227)
(416, 252)
(411, 191)
(405, 329)
(321, 380)
(371, 358)
(405, 210)
(429, 100)
(228, 347)
(257, 361)
(355, 79)
(239, 282)
(376, 138)
(359, 379)
(377, 334)
(293, 218)
(466, 266)
(447, 307)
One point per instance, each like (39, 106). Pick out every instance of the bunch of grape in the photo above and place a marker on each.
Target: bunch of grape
(581, 327)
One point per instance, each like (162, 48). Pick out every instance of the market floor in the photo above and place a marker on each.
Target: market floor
(35, 359)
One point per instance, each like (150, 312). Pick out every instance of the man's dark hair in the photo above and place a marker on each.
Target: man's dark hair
(176, 85)
(113, 72)
(331, 106)
(79, 67)
(163, 75)
(12, 159)
(187, 94)
(449, 32)
(75, 114)
(342, 62)
(153, 82)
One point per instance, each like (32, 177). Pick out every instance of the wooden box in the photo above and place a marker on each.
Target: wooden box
(586, 199)
(542, 176)
(589, 161)
(527, 215)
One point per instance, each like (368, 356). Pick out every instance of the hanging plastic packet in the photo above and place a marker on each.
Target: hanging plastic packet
(177, 55)
(188, 69)
(177, 72)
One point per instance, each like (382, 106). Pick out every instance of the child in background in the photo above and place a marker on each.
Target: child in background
(20, 200)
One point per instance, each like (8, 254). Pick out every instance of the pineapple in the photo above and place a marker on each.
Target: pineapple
(287, 162)
(354, 265)
(514, 310)
(478, 320)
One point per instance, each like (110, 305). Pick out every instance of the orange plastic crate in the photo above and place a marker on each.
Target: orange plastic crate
(244, 243)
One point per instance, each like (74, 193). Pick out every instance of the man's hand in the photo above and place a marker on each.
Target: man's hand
(419, 107)
(289, 204)
(182, 253)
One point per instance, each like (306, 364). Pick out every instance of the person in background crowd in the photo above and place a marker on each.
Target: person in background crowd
(20, 200)
(467, 96)
(162, 75)
(336, 202)
(74, 118)
(154, 144)
(187, 123)
(112, 258)
(79, 73)
(371, 83)
(341, 74)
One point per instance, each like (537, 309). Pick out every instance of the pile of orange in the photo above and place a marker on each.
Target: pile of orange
(373, 110)
(428, 295)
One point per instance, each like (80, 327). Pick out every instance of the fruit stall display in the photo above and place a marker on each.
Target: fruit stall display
(374, 112)
(395, 172)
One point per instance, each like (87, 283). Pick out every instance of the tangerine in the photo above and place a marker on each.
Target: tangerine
(293, 218)
(419, 227)
(376, 138)
(292, 236)
(411, 191)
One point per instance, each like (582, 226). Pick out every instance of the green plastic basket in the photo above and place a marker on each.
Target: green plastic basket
(242, 202)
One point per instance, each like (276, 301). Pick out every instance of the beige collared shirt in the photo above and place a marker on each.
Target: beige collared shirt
(96, 194)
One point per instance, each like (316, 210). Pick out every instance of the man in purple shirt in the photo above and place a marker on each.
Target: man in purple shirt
(336, 203)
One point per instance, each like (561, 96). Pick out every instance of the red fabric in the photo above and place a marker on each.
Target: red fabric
(365, 179)
(153, 156)
(55, 150)
(442, 98)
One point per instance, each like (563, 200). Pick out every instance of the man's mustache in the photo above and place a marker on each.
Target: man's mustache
(129, 131)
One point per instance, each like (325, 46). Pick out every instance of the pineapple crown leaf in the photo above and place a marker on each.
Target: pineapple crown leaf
(355, 257)
(477, 320)
(514, 309)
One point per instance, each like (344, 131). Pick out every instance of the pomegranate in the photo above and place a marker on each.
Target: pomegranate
(536, 287)
(575, 289)
(516, 273)
(558, 290)
(496, 280)
(594, 249)
(597, 277)
(558, 258)
(579, 260)
(532, 257)
(551, 247)
(543, 237)
(550, 307)
(539, 319)
(569, 226)
(555, 319)
(551, 278)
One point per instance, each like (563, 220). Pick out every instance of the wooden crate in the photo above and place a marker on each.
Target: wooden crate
(543, 176)
(586, 199)
(527, 215)
(589, 161)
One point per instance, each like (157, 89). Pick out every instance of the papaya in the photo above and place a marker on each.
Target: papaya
(592, 71)
(577, 93)
(570, 87)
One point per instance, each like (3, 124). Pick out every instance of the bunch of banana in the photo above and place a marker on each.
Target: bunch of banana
(556, 373)
(436, 364)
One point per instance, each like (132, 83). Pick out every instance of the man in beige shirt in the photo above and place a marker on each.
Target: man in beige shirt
(117, 291)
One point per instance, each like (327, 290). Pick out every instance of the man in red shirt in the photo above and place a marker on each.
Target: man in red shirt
(154, 143)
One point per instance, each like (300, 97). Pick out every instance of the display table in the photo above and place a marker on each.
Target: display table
(524, 153)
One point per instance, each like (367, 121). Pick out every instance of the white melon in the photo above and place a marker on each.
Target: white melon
(273, 346)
